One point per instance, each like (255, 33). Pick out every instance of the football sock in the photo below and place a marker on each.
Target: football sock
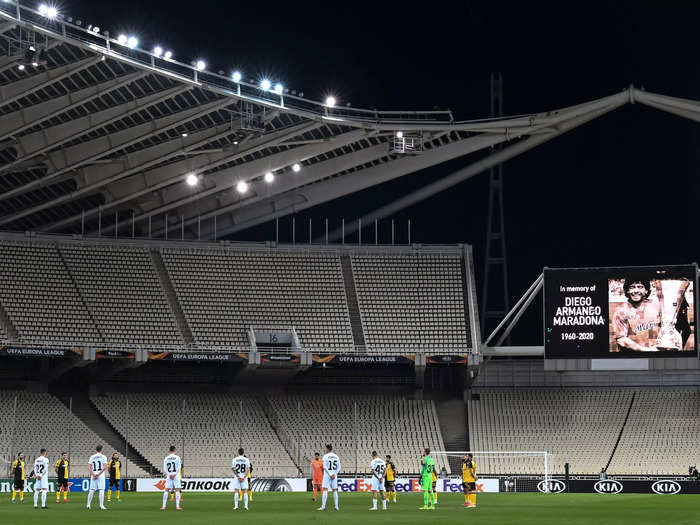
(177, 499)
(324, 496)
(235, 499)
(434, 498)
(335, 498)
(245, 500)
(165, 498)
(467, 499)
(315, 491)
(90, 495)
(65, 495)
(473, 497)
(58, 495)
(384, 502)
(250, 495)
(43, 498)
(14, 494)
(36, 498)
(21, 495)
(426, 499)
(118, 491)
(102, 498)
(394, 496)
(109, 495)
(374, 503)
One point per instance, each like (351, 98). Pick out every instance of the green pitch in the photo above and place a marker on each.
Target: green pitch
(298, 509)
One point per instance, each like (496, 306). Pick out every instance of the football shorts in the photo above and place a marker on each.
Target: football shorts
(390, 486)
(469, 485)
(172, 484)
(376, 484)
(62, 483)
(328, 483)
(42, 484)
(97, 484)
(240, 485)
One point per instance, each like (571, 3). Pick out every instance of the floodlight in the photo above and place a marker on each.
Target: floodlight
(157, 51)
(51, 13)
(296, 167)
(279, 88)
(269, 177)
(242, 187)
(330, 102)
(201, 65)
(192, 179)
(168, 55)
(43, 9)
(265, 84)
(236, 76)
(21, 67)
(132, 42)
(122, 39)
(399, 134)
(184, 134)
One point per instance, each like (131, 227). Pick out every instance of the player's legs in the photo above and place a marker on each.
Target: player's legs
(465, 489)
(165, 498)
(426, 486)
(178, 495)
(324, 491)
(374, 500)
(434, 492)
(36, 496)
(315, 485)
(335, 494)
(472, 493)
(384, 499)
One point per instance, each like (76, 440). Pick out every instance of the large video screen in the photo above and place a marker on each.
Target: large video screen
(620, 312)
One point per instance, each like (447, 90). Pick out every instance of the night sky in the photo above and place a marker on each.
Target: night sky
(622, 190)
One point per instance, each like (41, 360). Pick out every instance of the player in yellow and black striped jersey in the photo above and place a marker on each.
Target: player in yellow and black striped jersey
(434, 488)
(62, 467)
(250, 484)
(114, 467)
(391, 474)
(469, 479)
(19, 476)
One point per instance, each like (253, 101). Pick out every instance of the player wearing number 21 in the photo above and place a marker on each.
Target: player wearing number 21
(378, 467)
(171, 466)
(96, 467)
(241, 468)
(331, 469)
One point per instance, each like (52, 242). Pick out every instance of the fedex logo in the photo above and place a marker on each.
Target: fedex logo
(450, 485)
(413, 485)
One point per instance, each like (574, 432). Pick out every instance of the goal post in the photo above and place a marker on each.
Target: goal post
(517, 470)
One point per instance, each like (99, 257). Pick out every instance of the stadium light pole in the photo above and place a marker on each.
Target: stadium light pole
(376, 232)
(359, 232)
(309, 230)
(343, 227)
(70, 409)
(326, 230)
(294, 230)
(133, 224)
(354, 431)
(392, 232)
(126, 437)
(409, 231)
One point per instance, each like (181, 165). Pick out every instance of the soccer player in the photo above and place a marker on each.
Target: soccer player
(241, 467)
(61, 468)
(469, 480)
(97, 465)
(41, 472)
(331, 469)
(179, 476)
(115, 475)
(18, 473)
(317, 469)
(434, 487)
(427, 467)
(172, 464)
(390, 478)
(378, 467)
(250, 482)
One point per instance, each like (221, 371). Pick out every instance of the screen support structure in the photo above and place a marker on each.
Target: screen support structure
(492, 345)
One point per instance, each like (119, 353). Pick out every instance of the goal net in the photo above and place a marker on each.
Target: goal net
(515, 471)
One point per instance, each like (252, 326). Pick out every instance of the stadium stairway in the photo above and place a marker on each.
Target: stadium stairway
(114, 441)
(452, 415)
(169, 292)
(281, 432)
(358, 334)
(6, 324)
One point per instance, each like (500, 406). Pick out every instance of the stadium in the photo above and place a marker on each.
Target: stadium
(181, 327)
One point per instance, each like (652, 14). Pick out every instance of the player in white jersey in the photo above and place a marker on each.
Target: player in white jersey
(97, 464)
(41, 473)
(240, 466)
(378, 467)
(172, 465)
(331, 469)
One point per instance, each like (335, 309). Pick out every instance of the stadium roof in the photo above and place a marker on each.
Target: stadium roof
(95, 132)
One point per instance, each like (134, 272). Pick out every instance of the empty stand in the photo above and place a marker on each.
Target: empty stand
(123, 292)
(40, 296)
(224, 292)
(578, 425)
(388, 424)
(207, 429)
(415, 301)
(42, 421)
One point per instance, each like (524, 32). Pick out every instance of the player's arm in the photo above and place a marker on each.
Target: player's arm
(631, 344)
(55, 467)
(92, 473)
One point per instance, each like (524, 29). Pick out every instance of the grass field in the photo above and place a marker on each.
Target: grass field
(296, 508)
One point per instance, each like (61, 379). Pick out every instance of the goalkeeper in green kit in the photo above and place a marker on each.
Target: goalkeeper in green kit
(426, 480)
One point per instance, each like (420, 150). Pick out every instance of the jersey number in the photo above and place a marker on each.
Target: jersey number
(40, 469)
(171, 466)
(333, 464)
(379, 469)
(240, 468)
(96, 466)
(429, 469)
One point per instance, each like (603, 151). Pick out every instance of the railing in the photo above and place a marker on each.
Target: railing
(370, 351)
(101, 42)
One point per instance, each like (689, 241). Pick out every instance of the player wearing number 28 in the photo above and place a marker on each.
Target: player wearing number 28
(171, 466)
(96, 468)
(241, 468)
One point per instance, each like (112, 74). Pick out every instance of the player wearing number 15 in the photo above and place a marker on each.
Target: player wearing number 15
(378, 468)
(427, 468)
(241, 468)
(96, 467)
(331, 469)
(171, 467)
